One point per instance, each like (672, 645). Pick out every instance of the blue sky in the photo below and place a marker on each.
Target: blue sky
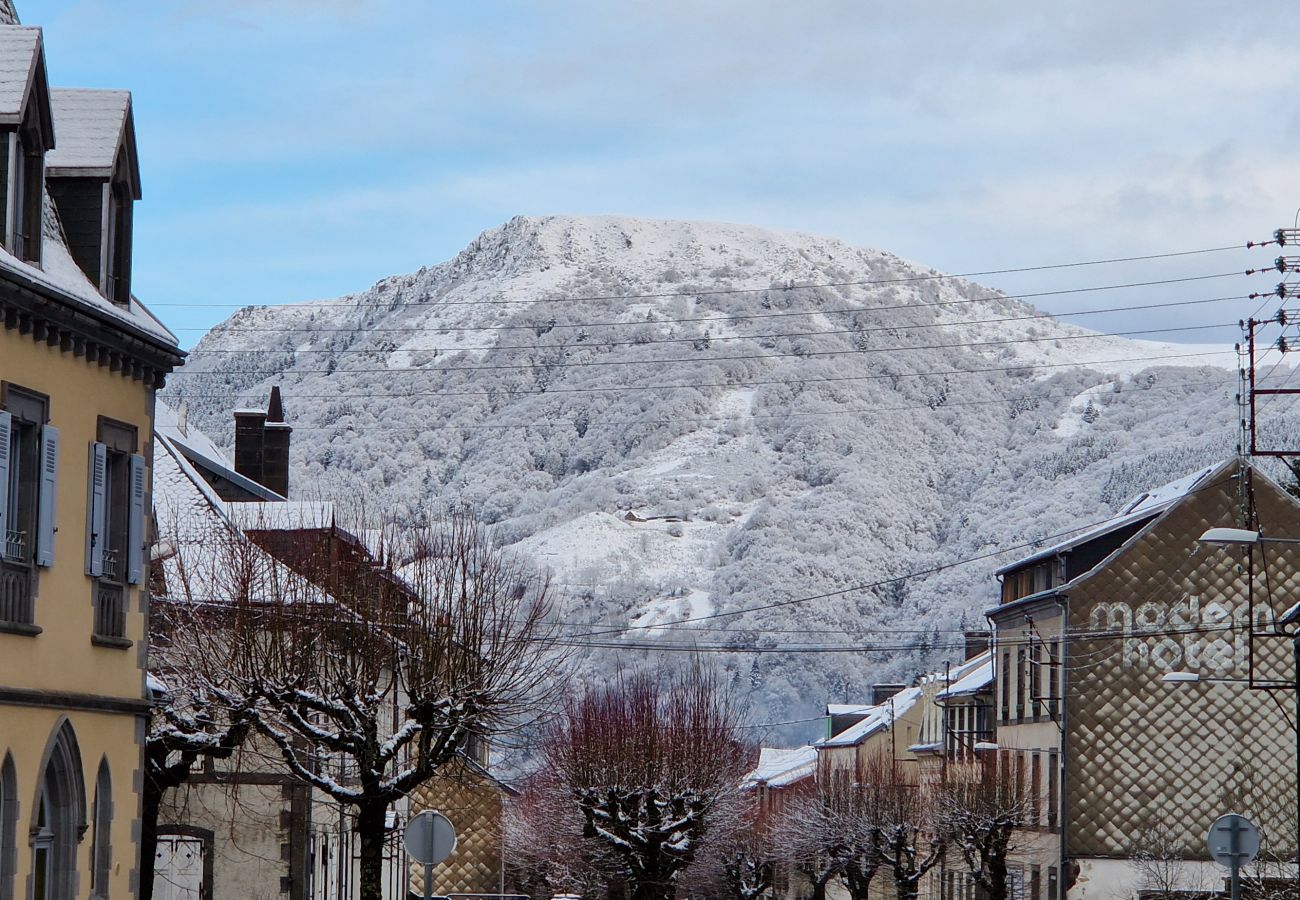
(297, 150)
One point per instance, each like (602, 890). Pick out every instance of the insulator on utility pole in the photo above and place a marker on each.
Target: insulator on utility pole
(1282, 344)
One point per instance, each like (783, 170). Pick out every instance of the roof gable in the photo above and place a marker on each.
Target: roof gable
(95, 127)
(1144, 506)
(22, 78)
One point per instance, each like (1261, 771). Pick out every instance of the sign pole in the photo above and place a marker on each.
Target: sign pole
(1233, 841)
(430, 838)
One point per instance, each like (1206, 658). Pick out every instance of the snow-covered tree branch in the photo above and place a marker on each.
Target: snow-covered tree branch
(651, 768)
(365, 665)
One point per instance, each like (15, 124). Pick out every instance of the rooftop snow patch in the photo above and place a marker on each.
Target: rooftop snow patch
(20, 55)
(89, 127)
(1143, 506)
(971, 683)
(778, 767)
(881, 717)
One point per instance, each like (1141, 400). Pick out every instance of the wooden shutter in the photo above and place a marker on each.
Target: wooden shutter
(6, 429)
(96, 511)
(135, 522)
(45, 497)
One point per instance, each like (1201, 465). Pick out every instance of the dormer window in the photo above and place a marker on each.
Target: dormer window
(26, 135)
(28, 191)
(94, 180)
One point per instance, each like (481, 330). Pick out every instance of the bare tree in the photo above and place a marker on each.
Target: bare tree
(179, 736)
(367, 671)
(909, 838)
(981, 804)
(651, 769)
(739, 856)
(545, 848)
(832, 834)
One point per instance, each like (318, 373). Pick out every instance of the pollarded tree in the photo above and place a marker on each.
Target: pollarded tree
(545, 852)
(651, 768)
(832, 834)
(368, 672)
(909, 839)
(981, 805)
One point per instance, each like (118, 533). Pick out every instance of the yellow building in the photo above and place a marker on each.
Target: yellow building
(80, 362)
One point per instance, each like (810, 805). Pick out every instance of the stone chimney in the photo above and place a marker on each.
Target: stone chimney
(262, 445)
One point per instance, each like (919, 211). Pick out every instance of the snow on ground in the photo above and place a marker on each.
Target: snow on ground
(606, 545)
(666, 610)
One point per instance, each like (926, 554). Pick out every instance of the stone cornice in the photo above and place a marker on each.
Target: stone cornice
(43, 314)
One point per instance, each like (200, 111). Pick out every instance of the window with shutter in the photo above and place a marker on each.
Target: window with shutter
(48, 491)
(135, 521)
(117, 533)
(21, 492)
(95, 509)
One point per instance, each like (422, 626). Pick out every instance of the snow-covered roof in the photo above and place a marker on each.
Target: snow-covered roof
(878, 718)
(195, 523)
(290, 515)
(847, 709)
(58, 272)
(200, 450)
(1143, 506)
(779, 766)
(974, 681)
(90, 127)
(20, 53)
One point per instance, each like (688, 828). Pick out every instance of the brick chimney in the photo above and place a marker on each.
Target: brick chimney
(882, 692)
(976, 643)
(262, 445)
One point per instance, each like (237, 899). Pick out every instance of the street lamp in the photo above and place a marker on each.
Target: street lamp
(1245, 537)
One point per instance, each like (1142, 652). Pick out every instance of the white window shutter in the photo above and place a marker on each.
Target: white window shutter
(135, 523)
(6, 429)
(96, 511)
(49, 485)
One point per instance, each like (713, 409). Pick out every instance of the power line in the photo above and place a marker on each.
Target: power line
(779, 604)
(727, 384)
(692, 647)
(753, 417)
(703, 359)
(695, 339)
(726, 317)
(755, 290)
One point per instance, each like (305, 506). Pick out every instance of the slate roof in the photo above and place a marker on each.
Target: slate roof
(194, 523)
(90, 126)
(1143, 506)
(879, 718)
(60, 273)
(20, 59)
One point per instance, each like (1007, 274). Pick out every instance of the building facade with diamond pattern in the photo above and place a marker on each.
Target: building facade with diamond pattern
(1128, 765)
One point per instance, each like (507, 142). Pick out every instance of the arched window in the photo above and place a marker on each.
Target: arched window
(101, 851)
(59, 819)
(8, 827)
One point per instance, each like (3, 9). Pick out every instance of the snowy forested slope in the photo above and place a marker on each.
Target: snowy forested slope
(532, 378)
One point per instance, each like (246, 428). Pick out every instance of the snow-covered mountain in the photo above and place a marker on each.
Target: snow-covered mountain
(771, 441)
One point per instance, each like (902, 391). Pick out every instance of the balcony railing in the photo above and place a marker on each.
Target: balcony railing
(110, 608)
(110, 565)
(15, 545)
